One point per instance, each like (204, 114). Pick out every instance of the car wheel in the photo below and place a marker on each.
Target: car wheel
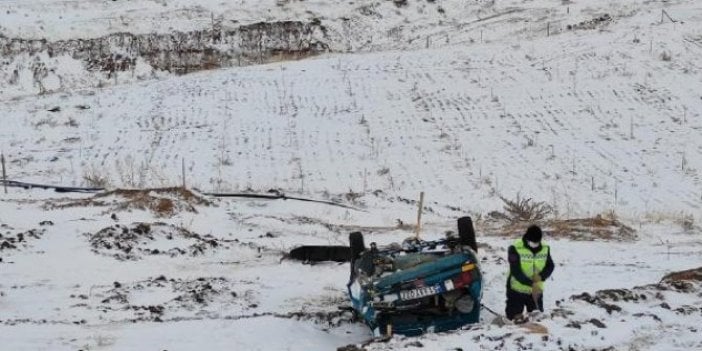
(466, 233)
(356, 244)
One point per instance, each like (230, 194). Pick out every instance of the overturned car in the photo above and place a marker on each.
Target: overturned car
(418, 286)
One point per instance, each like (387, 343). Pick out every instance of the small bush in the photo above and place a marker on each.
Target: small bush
(94, 179)
(524, 210)
(165, 207)
(352, 197)
(687, 222)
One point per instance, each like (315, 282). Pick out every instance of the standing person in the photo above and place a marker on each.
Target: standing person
(530, 264)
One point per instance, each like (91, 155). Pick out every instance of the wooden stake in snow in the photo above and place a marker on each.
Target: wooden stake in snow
(683, 161)
(684, 114)
(419, 213)
(4, 175)
(183, 170)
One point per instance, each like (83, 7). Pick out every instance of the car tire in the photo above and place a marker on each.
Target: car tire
(466, 233)
(356, 244)
(357, 247)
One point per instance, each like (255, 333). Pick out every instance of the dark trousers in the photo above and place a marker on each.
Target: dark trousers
(516, 302)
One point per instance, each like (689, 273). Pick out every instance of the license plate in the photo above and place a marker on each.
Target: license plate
(420, 292)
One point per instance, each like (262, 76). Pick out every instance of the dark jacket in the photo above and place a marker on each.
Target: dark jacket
(516, 268)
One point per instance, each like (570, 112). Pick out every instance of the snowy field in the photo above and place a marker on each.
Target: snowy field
(592, 107)
(64, 289)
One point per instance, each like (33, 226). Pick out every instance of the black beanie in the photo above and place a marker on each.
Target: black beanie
(533, 234)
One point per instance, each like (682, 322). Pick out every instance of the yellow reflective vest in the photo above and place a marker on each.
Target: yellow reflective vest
(531, 264)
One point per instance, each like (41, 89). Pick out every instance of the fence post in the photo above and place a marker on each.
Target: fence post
(419, 213)
(183, 171)
(684, 114)
(4, 175)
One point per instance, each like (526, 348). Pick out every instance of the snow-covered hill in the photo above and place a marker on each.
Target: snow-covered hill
(590, 107)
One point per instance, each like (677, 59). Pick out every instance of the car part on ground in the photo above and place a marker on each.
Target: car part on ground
(321, 253)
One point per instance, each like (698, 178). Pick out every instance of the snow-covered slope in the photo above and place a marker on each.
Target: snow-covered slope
(70, 44)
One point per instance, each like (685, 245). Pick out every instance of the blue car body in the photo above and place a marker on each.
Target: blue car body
(427, 287)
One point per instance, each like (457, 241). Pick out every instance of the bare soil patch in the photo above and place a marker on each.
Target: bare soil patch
(181, 52)
(160, 298)
(682, 276)
(143, 239)
(582, 229)
(683, 283)
(12, 239)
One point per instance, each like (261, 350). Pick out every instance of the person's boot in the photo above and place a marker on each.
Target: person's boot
(520, 319)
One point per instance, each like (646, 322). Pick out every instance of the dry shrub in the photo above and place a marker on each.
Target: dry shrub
(93, 178)
(523, 210)
(352, 197)
(164, 207)
(164, 202)
(598, 227)
(690, 274)
(585, 229)
(687, 222)
(534, 328)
